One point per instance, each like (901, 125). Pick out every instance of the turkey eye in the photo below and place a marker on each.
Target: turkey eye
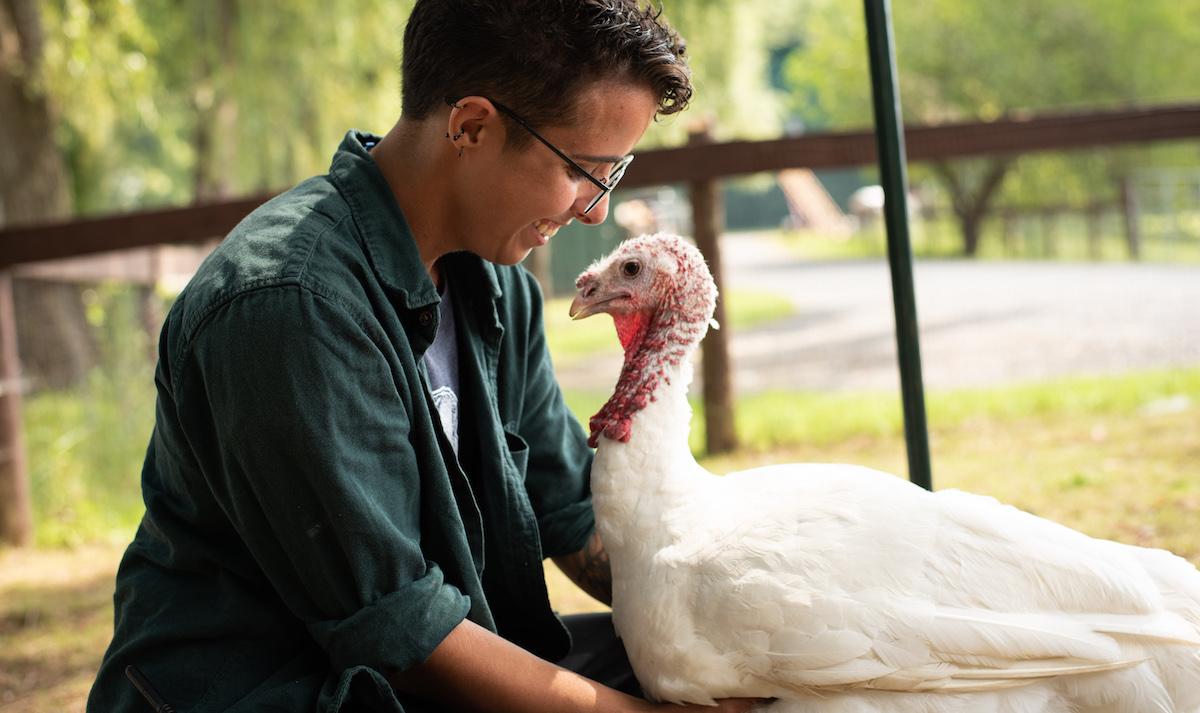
(631, 269)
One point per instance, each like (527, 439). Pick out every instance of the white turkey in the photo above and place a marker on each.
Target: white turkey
(838, 589)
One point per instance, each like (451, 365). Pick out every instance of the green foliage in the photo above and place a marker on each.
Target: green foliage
(85, 446)
(138, 82)
(964, 61)
(982, 61)
(729, 50)
(99, 67)
(151, 92)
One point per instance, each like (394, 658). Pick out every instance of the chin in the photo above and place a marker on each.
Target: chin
(511, 250)
(513, 256)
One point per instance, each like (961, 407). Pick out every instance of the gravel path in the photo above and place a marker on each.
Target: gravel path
(981, 323)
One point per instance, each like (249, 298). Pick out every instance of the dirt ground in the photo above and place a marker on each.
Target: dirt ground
(55, 622)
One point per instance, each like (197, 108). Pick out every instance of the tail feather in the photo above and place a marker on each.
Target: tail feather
(1165, 627)
(1045, 669)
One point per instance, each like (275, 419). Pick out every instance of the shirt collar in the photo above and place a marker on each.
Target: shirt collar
(389, 241)
(388, 238)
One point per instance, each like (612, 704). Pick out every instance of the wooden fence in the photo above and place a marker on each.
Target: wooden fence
(687, 164)
(699, 164)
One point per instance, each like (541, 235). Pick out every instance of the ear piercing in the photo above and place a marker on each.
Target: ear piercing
(455, 139)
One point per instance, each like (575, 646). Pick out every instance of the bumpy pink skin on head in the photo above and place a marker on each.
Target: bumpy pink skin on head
(668, 323)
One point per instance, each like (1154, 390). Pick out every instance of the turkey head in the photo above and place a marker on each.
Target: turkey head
(661, 296)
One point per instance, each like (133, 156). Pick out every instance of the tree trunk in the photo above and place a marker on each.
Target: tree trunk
(33, 187)
(972, 203)
(54, 341)
(971, 224)
(214, 137)
(1130, 217)
(16, 505)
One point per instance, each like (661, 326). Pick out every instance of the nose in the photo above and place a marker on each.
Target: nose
(597, 215)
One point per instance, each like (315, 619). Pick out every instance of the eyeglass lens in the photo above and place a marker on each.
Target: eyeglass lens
(610, 182)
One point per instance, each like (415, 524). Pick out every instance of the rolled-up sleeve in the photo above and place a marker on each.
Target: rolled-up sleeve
(558, 477)
(298, 419)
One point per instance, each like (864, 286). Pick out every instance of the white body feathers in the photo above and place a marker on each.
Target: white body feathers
(838, 589)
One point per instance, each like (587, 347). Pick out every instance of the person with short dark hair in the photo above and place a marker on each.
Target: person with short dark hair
(361, 456)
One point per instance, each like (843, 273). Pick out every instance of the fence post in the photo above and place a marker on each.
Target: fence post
(16, 509)
(1009, 230)
(1050, 230)
(1129, 209)
(1094, 215)
(708, 222)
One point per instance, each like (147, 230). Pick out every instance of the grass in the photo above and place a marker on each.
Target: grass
(85, 445)
(570, 341)
(85, 453)
(779, 419)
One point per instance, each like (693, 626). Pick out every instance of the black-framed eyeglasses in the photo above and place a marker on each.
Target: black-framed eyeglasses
(606, 185)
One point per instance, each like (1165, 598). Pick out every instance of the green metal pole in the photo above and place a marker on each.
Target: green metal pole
(889, 136)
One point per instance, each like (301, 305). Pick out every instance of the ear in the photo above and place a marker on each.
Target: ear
(476, 122)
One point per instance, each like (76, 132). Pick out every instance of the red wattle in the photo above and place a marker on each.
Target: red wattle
(630, 327)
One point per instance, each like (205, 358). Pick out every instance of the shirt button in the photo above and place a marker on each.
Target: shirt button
(425, 318)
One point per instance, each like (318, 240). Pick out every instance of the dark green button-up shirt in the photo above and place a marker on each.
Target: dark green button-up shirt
(308, 525)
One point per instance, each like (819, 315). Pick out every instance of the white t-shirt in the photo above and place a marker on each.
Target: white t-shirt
(441, 363)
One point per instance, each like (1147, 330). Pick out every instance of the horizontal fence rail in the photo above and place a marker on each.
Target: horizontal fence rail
(198, 223)
(923, 143)
(192, 224)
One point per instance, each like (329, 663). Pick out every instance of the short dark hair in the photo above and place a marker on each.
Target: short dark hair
(535, 55)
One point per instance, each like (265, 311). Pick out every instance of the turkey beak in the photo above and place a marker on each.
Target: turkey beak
(591, 300)
(582, 307)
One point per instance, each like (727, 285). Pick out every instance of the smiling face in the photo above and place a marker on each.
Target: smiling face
(516, 199)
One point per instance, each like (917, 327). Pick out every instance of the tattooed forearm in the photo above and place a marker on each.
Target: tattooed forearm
(589, 569)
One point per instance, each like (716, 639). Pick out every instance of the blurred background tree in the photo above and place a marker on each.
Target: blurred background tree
(982, 61)
(35, 187)
(167, 102)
